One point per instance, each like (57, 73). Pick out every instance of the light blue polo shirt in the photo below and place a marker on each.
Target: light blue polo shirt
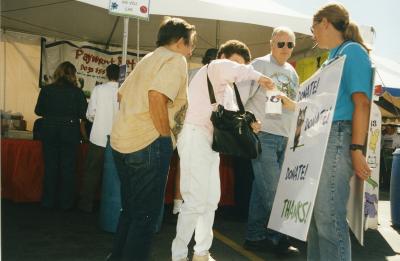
(356, 77)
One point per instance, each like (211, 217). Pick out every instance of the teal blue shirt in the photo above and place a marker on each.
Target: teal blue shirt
(356, 77)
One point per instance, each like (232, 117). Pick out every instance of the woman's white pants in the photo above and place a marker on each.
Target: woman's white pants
(200, 189)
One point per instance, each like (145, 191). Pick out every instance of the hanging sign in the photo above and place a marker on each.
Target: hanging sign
(130, 8)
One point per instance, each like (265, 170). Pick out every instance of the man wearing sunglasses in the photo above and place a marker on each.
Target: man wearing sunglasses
(273, 137)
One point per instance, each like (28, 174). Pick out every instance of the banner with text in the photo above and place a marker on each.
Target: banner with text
(305, 152)
(90, 62)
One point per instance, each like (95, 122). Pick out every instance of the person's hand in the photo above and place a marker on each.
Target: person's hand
(119, 97)
(267, 83)
(256, 126)
(287, 103)
(360, 165)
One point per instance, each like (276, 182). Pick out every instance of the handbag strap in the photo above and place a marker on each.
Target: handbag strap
(212, 95)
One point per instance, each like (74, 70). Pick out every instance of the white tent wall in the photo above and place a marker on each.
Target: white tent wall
(20, 74)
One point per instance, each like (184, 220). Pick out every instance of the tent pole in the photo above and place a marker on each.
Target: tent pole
(125, 40)
(217, 34)
(138, 40)
(112, 32)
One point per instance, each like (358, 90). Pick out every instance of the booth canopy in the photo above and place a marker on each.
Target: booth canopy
(388, 72)
(388, 76)
(216, 21)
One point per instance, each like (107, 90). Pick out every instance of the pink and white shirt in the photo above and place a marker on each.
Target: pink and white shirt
(222, 74)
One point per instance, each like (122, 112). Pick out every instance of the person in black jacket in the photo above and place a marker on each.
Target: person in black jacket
(62, 105)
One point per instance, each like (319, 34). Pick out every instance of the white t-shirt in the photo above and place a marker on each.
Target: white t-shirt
(222, 73)
(102, 108)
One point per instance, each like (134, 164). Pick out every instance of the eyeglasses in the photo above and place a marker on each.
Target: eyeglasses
(289, 45)
(312, 27)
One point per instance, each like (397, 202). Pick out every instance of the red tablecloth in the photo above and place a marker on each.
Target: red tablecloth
(22, 171)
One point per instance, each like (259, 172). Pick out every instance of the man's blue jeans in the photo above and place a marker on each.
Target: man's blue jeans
(143, 176)
(267, 169)
(328, 236)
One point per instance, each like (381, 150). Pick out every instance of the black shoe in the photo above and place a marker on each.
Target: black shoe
(285, 248)
(259, 245)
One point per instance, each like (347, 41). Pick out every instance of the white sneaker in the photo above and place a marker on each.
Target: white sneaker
(203, 258)
(177, 206)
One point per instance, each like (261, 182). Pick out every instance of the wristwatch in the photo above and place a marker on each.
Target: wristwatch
(354, 147)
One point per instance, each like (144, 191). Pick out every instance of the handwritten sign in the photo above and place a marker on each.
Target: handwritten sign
(305, 152)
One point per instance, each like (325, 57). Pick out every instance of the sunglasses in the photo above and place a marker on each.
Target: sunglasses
(289, 45)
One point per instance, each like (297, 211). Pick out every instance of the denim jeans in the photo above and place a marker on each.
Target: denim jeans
(143, 176)
(328, 236)
(267, 169)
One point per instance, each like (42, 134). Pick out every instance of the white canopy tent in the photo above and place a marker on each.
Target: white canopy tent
(216, 21)
(88, 21)
(388, 72)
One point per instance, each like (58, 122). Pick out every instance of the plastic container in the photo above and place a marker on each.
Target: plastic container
(395, 189)
(110, 206)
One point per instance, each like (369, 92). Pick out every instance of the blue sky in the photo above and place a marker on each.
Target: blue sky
(383, 15)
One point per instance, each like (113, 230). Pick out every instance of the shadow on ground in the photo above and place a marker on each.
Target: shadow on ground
(30, 233)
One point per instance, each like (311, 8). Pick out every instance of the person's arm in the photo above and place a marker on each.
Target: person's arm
(158, 108)
(287, 103)
(359, 133)
(229, 72)
(40, 104)
(164, 89)
(91, 110)
(82, 129)
(82, 105)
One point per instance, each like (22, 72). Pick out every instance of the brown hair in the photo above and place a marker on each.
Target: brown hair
(172, 29)
(338, 16)
(65, 71)
(234, 47)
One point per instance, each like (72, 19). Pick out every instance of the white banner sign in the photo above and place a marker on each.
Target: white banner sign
(130, 8)
(305, 152)
(90, 62)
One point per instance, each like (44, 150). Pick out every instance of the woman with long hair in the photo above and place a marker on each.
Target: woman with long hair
(61, 104)
(328, 236)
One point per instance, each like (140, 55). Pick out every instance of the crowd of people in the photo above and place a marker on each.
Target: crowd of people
(158, 108)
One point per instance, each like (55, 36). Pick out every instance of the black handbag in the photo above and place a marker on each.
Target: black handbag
(233, 134)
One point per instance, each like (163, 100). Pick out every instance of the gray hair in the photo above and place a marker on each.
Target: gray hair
(283, 29)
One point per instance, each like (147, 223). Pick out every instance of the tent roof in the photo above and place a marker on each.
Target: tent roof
(259, 12)
(388, 72)
(216, 21)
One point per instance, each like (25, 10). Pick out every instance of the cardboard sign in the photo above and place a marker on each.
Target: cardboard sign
(305, 152)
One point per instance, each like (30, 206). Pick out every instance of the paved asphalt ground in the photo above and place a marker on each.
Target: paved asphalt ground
(29, 233)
